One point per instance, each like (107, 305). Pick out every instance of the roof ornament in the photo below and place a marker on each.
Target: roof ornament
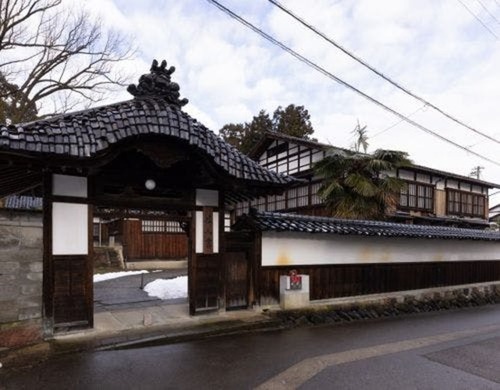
(157, 84)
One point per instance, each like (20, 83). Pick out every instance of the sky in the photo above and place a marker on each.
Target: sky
(445, 51)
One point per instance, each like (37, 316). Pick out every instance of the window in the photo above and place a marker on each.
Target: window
(292, 198)
(303, 196)
(242, 208)
(417, 196)
(290, 158)
(465, 203)
(152, 226)
(315, 199)
(277, 150)
(227, 222)
(280, 202)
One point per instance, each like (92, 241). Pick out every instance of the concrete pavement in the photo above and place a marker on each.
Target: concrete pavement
(124, 315)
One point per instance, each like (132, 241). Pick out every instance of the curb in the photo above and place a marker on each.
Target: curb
(179, 337)
(38, 353)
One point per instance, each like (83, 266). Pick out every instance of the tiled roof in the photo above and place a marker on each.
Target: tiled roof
(266, 221)
(85, 134)
(22, 202)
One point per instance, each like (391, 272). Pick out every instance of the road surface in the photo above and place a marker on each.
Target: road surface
(444, 350)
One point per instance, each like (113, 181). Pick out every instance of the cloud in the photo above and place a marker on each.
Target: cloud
(229, 73)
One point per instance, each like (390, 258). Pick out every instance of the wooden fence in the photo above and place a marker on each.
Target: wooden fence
(340, 280)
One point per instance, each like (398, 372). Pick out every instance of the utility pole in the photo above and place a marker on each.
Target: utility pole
(476, 172)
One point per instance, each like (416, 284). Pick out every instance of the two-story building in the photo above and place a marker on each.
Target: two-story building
(431, 196)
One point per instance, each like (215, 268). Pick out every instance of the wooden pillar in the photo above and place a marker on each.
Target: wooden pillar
(68, 240)
(205, 258)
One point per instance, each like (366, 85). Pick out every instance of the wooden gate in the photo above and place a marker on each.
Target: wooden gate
(72, 292)
(237, 280)
(204, 281)
(241, 249)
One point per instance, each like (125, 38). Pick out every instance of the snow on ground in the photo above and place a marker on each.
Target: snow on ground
(114, 275)
(168, 288)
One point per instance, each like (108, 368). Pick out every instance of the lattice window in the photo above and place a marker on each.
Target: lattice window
(303, 196)
(271, 203)
(292, 198)
(261, 204)
(227, 222)
(280, 202)
(417, 196)
(315, 198)
(465, 204)
(159, 226)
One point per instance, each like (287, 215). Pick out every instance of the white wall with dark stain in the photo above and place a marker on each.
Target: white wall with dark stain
(291, 248)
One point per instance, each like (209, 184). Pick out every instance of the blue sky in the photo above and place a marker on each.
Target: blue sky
(435, 48)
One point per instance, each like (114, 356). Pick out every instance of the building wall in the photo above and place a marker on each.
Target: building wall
(288, 157)
(347, 266)
(21, 274)
(140, 245)
(440, 202)
(291, 248)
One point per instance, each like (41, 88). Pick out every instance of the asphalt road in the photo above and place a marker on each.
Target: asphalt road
(444, 350)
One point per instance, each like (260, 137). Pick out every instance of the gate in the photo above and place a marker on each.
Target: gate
(237, 280)
(204, 283)
(72, 290)
(239, 266)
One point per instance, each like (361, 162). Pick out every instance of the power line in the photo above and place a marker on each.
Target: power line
(377, 72)
(488, 11)
(342, 82)
(478, 19)
(398, 122)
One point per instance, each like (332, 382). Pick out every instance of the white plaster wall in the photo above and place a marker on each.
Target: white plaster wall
(288, 248)
(215, 234)
(199, 232)
(207, 198)
(70, 231)
(66, 185)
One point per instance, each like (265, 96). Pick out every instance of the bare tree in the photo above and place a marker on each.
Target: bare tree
(56, 57)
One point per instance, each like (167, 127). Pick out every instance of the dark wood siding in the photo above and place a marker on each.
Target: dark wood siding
(236, 280)
(206, 282)
(240, 259)
(334, 281)
(72, 289)
(139, 245)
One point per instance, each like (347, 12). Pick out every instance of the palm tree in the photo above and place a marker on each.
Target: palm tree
(359, 186)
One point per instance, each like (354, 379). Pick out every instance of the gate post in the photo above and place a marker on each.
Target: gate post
(68, 238)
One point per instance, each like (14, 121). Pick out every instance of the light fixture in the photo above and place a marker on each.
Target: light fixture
(150, 184)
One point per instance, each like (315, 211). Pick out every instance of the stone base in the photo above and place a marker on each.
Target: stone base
(156, 264)
(18, 334)
(294, 299)
(391, 304)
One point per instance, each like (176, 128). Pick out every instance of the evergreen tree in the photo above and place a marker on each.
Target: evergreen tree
(357, 185)
(293, 120)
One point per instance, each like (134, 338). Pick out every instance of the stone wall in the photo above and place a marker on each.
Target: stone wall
(21, 274)
(391, 304)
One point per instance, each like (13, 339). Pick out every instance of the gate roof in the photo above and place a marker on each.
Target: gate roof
(155, 110)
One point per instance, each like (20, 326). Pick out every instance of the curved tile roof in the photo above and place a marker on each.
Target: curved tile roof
(23, 202)
(266, 221)
(85, 134)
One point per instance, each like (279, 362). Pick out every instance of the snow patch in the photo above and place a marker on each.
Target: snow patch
(168, 288)
(114, 275)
